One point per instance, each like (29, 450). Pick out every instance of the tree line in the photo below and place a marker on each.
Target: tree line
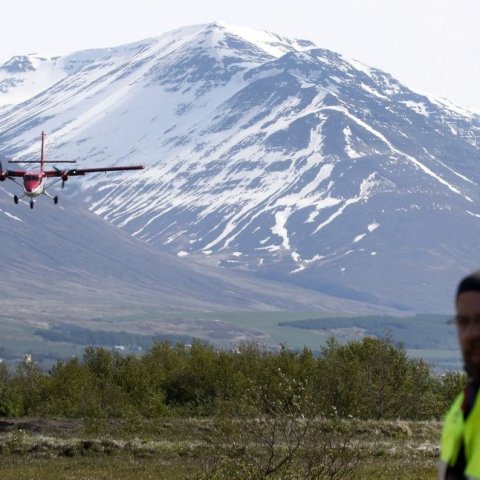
(367, 379)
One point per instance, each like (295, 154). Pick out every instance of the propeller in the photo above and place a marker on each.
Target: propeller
(64, 178)
(3, 173)
(63, 174)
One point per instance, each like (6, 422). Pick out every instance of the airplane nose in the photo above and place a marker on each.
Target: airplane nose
(31, 185)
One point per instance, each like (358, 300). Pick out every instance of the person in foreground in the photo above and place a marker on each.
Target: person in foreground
(460, 444)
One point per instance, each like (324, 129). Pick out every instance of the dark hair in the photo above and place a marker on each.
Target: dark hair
(470, 283)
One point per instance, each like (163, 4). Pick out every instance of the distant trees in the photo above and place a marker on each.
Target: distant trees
(369, 378)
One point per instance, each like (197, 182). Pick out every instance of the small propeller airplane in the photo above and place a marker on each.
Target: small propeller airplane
(35, 181)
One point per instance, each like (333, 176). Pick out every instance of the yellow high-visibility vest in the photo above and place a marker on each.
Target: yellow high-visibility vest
(456, 431)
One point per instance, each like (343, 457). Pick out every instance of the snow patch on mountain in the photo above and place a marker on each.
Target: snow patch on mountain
(13, 217)
(279, 229)
(417, 107)
(348, 144)
(359, 237)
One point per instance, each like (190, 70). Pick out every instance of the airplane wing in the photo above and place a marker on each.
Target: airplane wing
(14, 173)
(10, 173)
(83, 171)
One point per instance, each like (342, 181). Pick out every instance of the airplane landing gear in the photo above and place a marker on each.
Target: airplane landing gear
(15, 199)
(55, 199)
(31, 203)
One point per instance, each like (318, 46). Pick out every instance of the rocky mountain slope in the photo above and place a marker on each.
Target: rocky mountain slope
(66, 258)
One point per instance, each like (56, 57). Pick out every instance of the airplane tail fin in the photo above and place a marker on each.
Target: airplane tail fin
(42, 155)
(42, 160)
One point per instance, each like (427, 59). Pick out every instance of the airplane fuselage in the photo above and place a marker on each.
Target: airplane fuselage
(34, 183)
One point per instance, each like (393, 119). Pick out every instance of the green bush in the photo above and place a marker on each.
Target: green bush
(369, 379)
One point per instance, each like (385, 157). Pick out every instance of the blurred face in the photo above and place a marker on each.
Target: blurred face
(468, 324)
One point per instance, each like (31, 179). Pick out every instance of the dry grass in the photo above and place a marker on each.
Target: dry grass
(394, 450)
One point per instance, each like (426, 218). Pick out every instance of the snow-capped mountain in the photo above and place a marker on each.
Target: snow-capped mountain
(267, 155)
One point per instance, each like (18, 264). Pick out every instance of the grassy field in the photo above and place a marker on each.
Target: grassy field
(177, 449)
(428, 336)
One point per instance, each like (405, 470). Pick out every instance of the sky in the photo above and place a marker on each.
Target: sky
(432, 46)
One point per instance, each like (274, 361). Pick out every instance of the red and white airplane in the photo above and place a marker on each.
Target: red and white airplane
(35, 181)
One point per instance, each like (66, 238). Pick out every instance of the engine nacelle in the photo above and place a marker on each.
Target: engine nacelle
(64, 178)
